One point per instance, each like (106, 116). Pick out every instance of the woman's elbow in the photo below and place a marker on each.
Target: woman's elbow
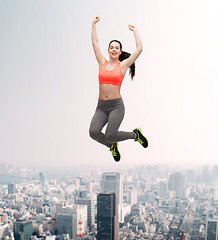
(140, 49)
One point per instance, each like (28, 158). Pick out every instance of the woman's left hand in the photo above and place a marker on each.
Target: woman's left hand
(132, 28)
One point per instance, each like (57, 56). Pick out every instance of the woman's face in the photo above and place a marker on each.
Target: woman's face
(114, 50)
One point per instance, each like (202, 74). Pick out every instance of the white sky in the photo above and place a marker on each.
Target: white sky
(49, 81)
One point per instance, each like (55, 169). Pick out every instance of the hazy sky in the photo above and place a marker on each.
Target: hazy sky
(49, 81)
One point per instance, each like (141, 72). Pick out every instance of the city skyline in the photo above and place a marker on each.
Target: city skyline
(205, 173)
(49, 82)
(9, 169)
(74, 207)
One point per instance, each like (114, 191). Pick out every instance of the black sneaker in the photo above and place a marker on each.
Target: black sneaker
(140, 137)
(115, 152)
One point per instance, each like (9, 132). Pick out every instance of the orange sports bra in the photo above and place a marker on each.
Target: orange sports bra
(114, 76)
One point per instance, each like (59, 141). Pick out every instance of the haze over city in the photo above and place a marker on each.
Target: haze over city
(49, 82)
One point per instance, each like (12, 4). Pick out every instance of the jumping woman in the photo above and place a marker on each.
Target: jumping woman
(110, 108)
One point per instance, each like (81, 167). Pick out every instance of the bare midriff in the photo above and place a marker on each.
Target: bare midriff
(109, 91)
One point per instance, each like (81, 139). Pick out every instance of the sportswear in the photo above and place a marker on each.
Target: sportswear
(140, 137)
(114, 76)
(115, 152)
(110, 112)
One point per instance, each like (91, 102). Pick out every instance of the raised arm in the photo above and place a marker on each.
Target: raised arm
(100, 58)
(129, 61)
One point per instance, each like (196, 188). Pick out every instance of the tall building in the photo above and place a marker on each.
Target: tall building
(11, 188)
(132, 195)
(163, 189)
(212, 229)
(107, 216)
(42, 178)
(215, 194)
(215, 171)
(89, 187)
(66, 224)
(177, 184)
(23, 175)
(206, 174)
(22, 230)
(90, 203)
(112, 182)
(72, 220)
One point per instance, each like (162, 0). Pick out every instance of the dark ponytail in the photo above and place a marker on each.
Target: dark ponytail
(123, 56)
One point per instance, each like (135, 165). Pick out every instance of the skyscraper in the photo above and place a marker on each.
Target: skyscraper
(132, 195)
(90, 203)
(23, 175)
(22, 230)
(72, 220)
(107, 216)
(42, 178)
(215, 194)
(212, 229)
(89, 187)
(177, 184)
(66, 224)
(215, 171)
(163, 189)
(11, 188)
(112, 182)
(206, 174)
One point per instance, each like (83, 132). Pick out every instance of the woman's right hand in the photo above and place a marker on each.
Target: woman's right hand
(97, 19)
(132, 28)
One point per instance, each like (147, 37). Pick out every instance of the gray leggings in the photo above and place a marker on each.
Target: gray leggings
(111, 112)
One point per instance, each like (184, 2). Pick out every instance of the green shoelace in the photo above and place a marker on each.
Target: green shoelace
(113, 153)
(140, 141)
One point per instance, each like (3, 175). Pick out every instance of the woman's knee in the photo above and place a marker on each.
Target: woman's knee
(110, 138)
(94, 134)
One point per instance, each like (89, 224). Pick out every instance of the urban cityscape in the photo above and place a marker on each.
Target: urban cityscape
(146, 202)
